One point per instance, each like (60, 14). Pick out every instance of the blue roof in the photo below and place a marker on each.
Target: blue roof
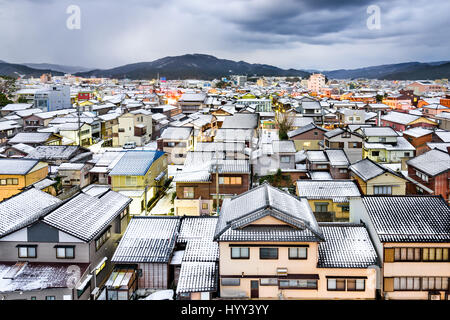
(135, 163)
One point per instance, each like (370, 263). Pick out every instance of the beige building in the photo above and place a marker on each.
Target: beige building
(271, 247)
(412, 237)
(135, 126)
(316, 82)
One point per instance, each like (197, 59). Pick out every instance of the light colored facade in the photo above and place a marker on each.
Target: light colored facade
(316, 82)
(135, 126)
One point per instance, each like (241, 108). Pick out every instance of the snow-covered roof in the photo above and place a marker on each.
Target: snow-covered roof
(16, 166)
(135, 163)
(336, 190)
(23, 209)
(85, 216)
(198, 277)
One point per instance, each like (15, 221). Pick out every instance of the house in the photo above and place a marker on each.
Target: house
(375, 179)
(307, 137)
(135, 126)
(58, 250)
(207, 178)
(443, 120)
(56, 155)
(75, 134)
(16, 174)
(35, 139)
(272, 247)
(110, 129)
(432, 110)
(329, 199)
(19, 150)
(176, 142)
(74, 174)
(418, 137)
(429, 174)
(191, 102)
(8, 129)
(139, 175)
(411, 235)
(310, 107)
(383, 144)
(400, 121)
(350, 142)
(178, 251)
(13, 107)
(421, 87)
(338, 163)
(272, 156)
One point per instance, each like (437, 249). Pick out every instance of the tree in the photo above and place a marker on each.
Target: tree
(284, 121)
(4, 100)
(22, 100)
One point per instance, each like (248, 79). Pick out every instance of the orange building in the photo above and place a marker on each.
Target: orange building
(16, 174)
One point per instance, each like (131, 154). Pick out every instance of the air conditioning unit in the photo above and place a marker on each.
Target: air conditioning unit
(282, 271)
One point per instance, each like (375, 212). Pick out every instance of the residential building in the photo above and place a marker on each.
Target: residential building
(411, 235)
(271, 247)
(17, 174)
(375, 179)
(56, 97)
(350, 142)
(329, 199)
(307, 137)
(139, 174)
(176, 142)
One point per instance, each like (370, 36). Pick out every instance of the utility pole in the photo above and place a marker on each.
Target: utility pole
(79, 127)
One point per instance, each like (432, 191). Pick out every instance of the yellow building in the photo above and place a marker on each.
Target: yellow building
(139, 174)
(16, 174)
(329, 199)
(374, 179)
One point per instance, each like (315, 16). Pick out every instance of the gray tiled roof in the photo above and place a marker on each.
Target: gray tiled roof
(337, 157)
(337, 190)
(148, 240)
(30, 137)
(16, 166)
(264, 200)
(198, 277)
(346, 246)
(409, 218)
(367, 169)
(201, 250)
(304, 129)
(85, 216)
(197, 228)
(433, 162)
(23, 209)
(53, 152)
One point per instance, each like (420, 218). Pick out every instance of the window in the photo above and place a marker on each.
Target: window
(27, 251)
(321, 207)
(50, 298)
(268, 253)
(268, 281)
(65, 252)
(435, 254)
(422, 176)
(356, 284)
(342, 170)
(205, 206)
(382, 189)
(188, 192)
(102, 239)
(33, 298)
(336, 284)
(285, 159)
(322, 166)
(130, 181)
(240, 253)
(230, 180)
(231, 281)
(298, 253)
(375, 153)
(298, 284)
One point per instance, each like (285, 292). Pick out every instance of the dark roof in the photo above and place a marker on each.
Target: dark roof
(148, 239)
(368, 169)
(239, 212)
(304, 129)
(409, 218)
(346, 245)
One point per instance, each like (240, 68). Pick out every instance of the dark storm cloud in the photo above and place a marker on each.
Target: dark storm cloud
(289, 33)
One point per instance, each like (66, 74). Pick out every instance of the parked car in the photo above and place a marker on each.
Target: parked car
(129, 145)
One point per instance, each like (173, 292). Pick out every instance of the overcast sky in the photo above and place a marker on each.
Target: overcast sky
(319, 34)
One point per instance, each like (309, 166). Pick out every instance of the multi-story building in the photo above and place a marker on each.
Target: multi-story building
(55, 97)
(411, 235)
(272, 247)
(316, 82)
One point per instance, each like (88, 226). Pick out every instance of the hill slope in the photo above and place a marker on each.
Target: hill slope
(199, 66)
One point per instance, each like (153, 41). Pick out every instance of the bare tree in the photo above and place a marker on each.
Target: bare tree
(284, 121)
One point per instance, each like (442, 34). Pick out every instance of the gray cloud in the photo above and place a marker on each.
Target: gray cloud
(323, 34)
